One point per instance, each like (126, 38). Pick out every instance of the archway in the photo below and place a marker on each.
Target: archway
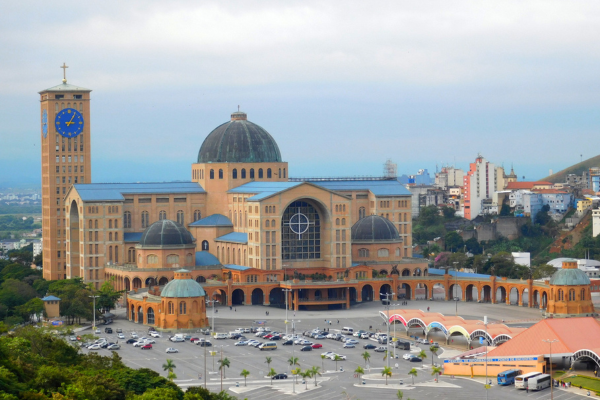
(137, 283)
(367, 293)
(471, 293)
(536, 298)
(127, 284)
(405, 272)
(544, 300)
(257, 297)
(455, 291)
(200, 279)
(74, 236)
(385, 289)
(425, 272)
(588, 357)
(439, 291)
(514, 296)
(486, 294)
(150, 316)
(220, 296)
(301, 230)
(525, 297)
(383, 272)
(422, 292)
(132, 313)
(352, 294)
(277, 297)
(237, 297)
(150, 282)
(501, 295)
(163, 281)
(417, 272)
(404, 291)
(140, 315)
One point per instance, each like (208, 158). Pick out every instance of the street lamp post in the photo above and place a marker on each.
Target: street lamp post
(293, 345)
(455, 285)
(94, 312)
(550, 359)
(388, 301)
(286, 309)
(212, 325)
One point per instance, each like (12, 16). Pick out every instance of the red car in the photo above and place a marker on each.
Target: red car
(147, 347)
(317, 346)
(269, 336)
(194, 339)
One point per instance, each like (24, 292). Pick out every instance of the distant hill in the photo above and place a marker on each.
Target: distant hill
(577, 169)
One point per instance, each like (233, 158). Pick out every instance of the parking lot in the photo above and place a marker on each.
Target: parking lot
(193, 368)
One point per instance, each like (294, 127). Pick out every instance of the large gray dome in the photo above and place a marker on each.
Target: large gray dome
(374, 229)
(569, 277)
(166, 233)
(181, 287)
(239, 141)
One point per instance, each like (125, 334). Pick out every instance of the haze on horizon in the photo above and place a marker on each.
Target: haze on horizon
(341, 86)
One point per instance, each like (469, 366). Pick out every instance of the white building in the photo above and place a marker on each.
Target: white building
(522, 259)
(595, 222)
(37, 247)
(532, 204)
(558, 200)
(480, 183)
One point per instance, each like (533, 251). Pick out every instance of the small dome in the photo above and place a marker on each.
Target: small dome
(182, 286)
(239, 141)
(374, 229)
(166, 233)
(569, 277)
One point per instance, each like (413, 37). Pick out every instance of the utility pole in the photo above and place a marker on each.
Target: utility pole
(286, 309)
(212, 325)
(453, 291)
(293, 346)
(221, 368)
(205, 371)
(550, 359)
(387, 297)
(485, 322)
(94, 312)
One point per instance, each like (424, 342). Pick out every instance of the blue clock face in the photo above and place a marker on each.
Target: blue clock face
(69, 122)
(45, 123)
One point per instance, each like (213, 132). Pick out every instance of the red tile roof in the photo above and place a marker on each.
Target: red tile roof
(526, 185)
(550, 191)
(573, 334)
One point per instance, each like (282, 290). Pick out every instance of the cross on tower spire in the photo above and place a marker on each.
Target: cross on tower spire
(64, 68)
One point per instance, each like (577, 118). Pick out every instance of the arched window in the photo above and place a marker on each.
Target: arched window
(90, 222)
(152, 259)
(267, 224)
(172, 259)
(279, 175)
(127, 219)
(284, 172)
(131, 255)
(110, 224)
(235, 218)
(150, 316)
(205, 245)
(337, 221)
(212, 174)
(273, 223)
(560, 295)
(582, 294)
(251, 173)
(110, 236)
(572, 295)
(234, 173)
(180, 217)
(383, 253)
(363, 252)
(171, 308)
(269, 174)
(220, 174)
(95, 224)
(260, 173)
(243, 173)
(189, 259)
(301, 240)
(397, 251)
(343, 221)
(117, 254)
(197, 215)
(145, 219)
(162, 215)
(183, 307)
(110, 254)
(361, 212)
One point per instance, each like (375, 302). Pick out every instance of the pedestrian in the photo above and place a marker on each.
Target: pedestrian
(230, 308)
(294, 313)
(596, 373)
(527, 389)
(338, 321)
(235, 309)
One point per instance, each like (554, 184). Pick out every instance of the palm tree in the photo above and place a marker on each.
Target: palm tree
(359, 371)
(413, 373)
(323, 357)
(170, 366)
(245, 373)
(293, 361)
(305, 375)
(296, 372)
(366, 356)
(387, 372)
(268, 360)
(436, 371)
(399, 395)
(433, 350)
(385, 355)
(224, 363)
(315, 371)
(336, 359)
(271, 373)
(422, 355)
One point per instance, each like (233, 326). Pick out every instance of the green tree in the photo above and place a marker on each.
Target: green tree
(306, 375)
(31, 310)
(413, 374)
(323, 357)
(359, 371)
(337, 358)
(224, 363)
(293, 361)
(108, 296)
(271, 374)
(387, 372)
(448, 212)
(245, 374)
(543, 271)
(169, 366)
(268, 360)
(399, 394)
(422, 355)
(454, 241)
(433, 350)
(436, 371)
(473, 246)
(315, 371)
(366, 356)
(158, 394)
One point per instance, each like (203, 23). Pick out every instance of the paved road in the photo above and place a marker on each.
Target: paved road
(190, 360)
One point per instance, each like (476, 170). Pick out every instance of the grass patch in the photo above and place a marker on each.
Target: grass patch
(558, 374)
(585, 382)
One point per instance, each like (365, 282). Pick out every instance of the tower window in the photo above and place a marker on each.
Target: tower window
(220, 174)
(234, 173)
(212, 174)
(243, 173)
(251, 173)
(78, 96)
(59, 96)
(162, 215)
(269, 173)
(260, 173)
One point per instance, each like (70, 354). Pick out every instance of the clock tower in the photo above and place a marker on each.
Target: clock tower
(65, 136)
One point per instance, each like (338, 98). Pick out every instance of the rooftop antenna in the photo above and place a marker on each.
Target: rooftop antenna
(238, 108)
(390, 169)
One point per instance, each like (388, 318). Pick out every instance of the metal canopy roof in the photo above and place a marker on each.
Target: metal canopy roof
(115, 191)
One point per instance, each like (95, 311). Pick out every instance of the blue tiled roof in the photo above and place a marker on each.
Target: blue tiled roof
(213, 220)
(183, 288)
(50, 298)
(115, 191)
(264, 189)
(132, 236)
(205, 258)
(237, 267)
(234, 237)
(438, 271)
(378, 188)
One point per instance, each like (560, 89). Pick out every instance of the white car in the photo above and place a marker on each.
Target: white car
(327, 353)
(408, 356)
(97, 331)
(73, 338)
(155, 334)
(151, 341)
(341, 357)
(94, 347)
(241, 343)
(139, 343)
(134, 335)
(121, 336)
(252, 342)
(177, 339)
(113, 346)
(364, 335)
(349, 345)
(172, 350)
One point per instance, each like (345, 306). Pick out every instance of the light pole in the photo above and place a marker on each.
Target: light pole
(212, 325)
(286, 309)
(550, 359)
(94, 312)
(388, 301)
(293, 345)
(455, 285)
(485, 322)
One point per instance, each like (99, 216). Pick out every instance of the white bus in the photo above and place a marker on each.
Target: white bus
(539, 382)
(521, 380)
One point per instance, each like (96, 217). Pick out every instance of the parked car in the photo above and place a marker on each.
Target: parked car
(113, 346)
(97, 331)
(415, 359)
(147, 347)
(369, 346)
(171, 350)
(327, 354)
(140, 344)
(408, 356)
(73, 338)
(119, 330)
(177, 339)
(365, 335)
(280, 376)
(121, 336)
(241, 343)
(306, 348)
(317, 346)
(204, 343)
(381, 349)
(134, 335)
(130, 341)
(155, 334)
(107, 330)
(341, 357)
(94, 347)
(194, 339)
(151, 329)
(349, 345)
(288, 342)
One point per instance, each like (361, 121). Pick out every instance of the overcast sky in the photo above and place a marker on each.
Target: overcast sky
(341, 86)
